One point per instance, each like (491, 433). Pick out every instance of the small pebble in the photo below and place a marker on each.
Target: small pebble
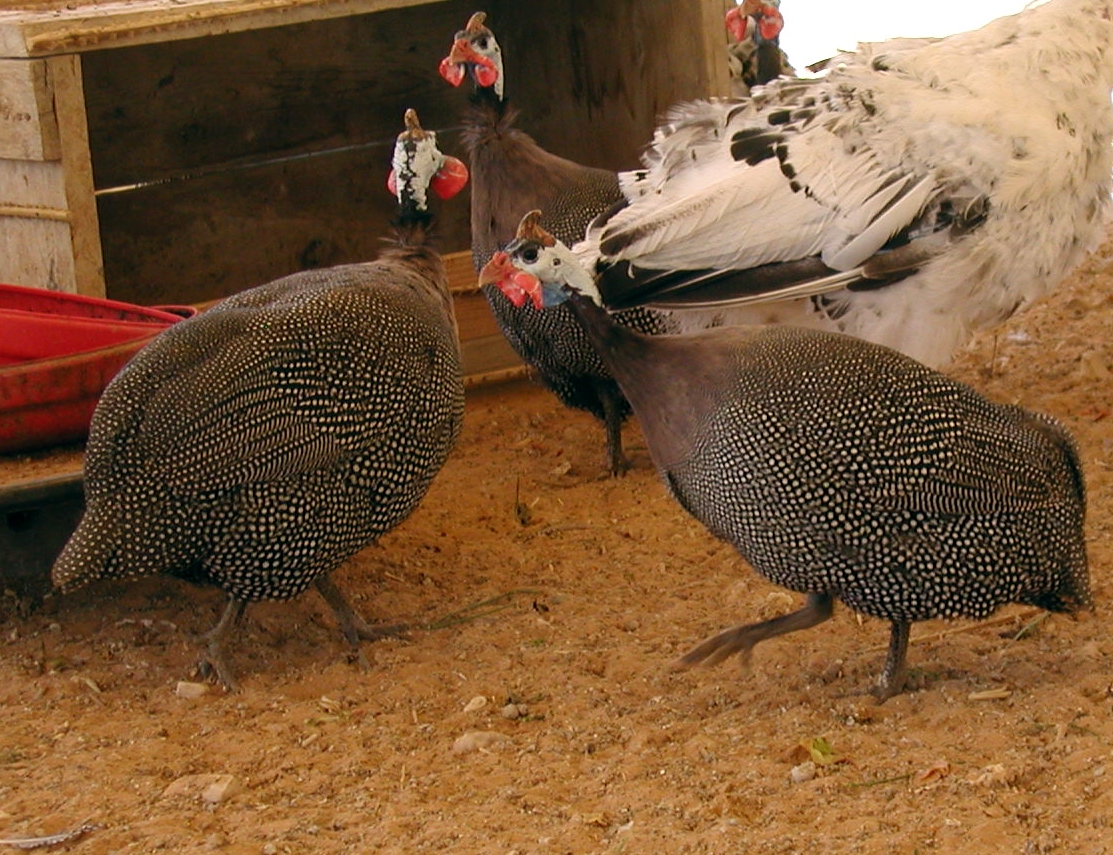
(476, 703)
(190, 690)
(803, 772)
(478, 740)
(514, 711)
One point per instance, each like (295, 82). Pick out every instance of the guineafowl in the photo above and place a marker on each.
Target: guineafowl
(755, 53)
(510, 175)
(838, 468)
(260, 444)
(916, 192)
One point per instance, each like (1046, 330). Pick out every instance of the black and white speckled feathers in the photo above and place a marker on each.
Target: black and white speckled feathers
(512, 174)
(258, 445)
(264, 442)
(839, 468)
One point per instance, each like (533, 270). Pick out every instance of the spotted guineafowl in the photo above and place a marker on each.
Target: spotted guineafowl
(260, 444)
(838, 468)
(510, 175)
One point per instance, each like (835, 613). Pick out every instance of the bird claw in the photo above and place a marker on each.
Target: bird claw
(212, 668)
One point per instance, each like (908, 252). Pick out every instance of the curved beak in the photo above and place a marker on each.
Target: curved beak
(517, 285)
(462, 54)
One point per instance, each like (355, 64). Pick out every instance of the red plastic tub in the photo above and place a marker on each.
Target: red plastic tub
(57, 353)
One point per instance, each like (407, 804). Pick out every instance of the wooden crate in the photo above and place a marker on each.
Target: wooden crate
(172, 151)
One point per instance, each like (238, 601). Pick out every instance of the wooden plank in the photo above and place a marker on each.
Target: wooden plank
(29, 183)
(488, 356)
(83, 26)
(36, 253)
(164, 111)
(77, 170)
(201, 239)
(715, 45)
(28, 130)
(35, 245)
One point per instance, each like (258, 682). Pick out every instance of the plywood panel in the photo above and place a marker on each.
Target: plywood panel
(162, 111)
(28, 130)
(204, 238)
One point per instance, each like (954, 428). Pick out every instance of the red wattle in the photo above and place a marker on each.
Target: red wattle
(771, 24)
(520, 286)
(450, 178)
(451, 71)
(485, 72)
(392, 183)
(738, 24)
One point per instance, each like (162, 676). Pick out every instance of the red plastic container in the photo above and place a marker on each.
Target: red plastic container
(57, 353)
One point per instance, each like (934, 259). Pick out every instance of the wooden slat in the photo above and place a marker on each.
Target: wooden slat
(36, 253)
(67, 27)
(28, 130)
(488, 356)
(77, 169)
(164, 111)
(35, 245)
(192, 241)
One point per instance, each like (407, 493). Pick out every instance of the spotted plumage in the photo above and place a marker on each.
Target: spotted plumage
(260, 444)
(512, 174)
(838, 468)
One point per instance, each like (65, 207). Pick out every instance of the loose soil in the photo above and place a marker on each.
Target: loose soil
(532, 709)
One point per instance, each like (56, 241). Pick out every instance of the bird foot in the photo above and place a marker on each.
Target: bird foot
(742, 639)
(713, 650)
(213, 668)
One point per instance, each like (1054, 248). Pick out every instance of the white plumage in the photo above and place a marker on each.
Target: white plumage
(979, 162)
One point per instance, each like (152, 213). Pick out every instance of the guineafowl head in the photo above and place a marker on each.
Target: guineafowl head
(476, 53)
(419, 165)
(537, 267)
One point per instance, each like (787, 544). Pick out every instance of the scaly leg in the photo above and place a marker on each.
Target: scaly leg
(212, 662)
(741, 639)
(895, 673)
(612, 421)
(351, 624)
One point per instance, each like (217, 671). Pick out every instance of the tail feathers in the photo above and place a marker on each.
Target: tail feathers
(95, 551)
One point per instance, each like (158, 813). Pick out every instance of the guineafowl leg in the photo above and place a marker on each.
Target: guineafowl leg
(895, 672)
(212, 662)
(741, 639)
(612, 421)
(351, 624)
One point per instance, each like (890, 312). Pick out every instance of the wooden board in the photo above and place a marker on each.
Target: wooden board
(165, 111)
(28, 130)
(49, 234)
(30, 29)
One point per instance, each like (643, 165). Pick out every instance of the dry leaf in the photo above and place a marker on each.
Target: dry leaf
(936, 771)
(817, 749)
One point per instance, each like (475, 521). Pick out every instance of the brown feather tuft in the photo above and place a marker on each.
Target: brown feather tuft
(530, 229)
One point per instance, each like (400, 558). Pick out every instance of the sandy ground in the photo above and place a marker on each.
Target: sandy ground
(533, 711)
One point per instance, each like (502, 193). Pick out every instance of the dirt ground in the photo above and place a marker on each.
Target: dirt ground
(533, 711)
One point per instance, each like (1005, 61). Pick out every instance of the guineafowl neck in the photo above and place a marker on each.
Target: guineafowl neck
(674, 383)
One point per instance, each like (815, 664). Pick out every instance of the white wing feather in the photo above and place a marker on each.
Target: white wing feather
(896, 138)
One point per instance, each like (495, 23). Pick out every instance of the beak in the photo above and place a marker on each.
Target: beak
(517, 285)
(462, 54)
